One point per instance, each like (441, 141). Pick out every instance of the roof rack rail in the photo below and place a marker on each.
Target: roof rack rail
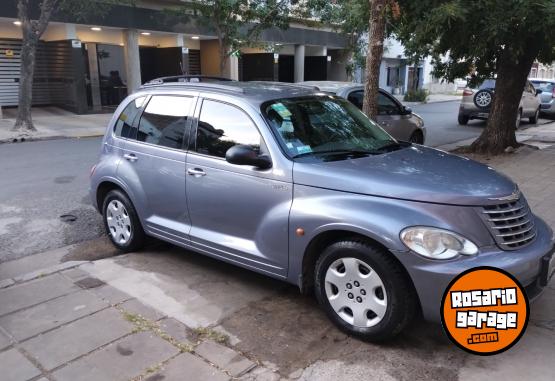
(197, 85)
(187, 78)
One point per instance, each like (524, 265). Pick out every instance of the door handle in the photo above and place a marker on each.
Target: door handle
(130, 157)
(197, 172)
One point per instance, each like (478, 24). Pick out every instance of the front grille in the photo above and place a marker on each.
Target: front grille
(510, 223)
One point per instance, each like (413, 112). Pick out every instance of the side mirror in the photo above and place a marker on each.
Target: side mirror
(539, 91)
(407, 110)
(245, 155)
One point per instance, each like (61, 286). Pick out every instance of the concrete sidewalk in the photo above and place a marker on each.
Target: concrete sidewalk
(53, 122)
(432, 98)
(71, 326)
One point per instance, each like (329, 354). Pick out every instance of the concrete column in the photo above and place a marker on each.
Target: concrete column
(132, 59)
(93, 75)
(299, 63)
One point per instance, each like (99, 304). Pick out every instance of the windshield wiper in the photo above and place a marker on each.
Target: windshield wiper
(388, 146)
(337, 152)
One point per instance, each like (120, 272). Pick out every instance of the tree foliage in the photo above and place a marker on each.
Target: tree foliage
(349, 17)
(485, 38)
(237, 23)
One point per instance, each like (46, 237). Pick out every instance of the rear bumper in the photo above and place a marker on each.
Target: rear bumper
(431, 278)
(474, 113)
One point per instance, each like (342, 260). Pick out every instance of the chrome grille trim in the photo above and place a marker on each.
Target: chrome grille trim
(510, 223)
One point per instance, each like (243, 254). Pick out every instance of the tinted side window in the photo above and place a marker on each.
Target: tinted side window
(164, 120)
(222, 126)
(124, 123)
(356, 98)
(386, 105)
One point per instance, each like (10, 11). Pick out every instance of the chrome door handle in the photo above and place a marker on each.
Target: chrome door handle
(130, 157)
(197, 172)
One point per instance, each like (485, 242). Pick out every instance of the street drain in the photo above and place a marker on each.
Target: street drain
(68, 218)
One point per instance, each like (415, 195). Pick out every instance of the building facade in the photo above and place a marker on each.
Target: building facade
(91, 65)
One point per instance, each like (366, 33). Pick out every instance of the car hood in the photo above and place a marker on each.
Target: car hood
(415, 173)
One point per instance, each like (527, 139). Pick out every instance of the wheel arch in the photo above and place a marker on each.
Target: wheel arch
(322, 240)
(104, 188)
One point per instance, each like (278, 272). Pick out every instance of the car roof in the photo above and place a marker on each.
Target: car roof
(330, 86)
(254, 92)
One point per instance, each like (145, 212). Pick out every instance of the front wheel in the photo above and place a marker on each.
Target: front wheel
(463, 119)
(417, 137)
(534, 119)
(122, 222)
(364, 291)
(518, 119)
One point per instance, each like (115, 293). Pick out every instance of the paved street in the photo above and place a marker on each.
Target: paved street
(440, 120)
(42, 181)
(164, 312)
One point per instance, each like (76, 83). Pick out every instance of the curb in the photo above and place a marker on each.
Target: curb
(45, 138)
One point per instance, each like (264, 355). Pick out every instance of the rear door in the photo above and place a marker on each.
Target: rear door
(239, 213)
(154, 166)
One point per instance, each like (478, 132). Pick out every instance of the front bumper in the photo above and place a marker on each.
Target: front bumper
(431, 277)
(548, 108)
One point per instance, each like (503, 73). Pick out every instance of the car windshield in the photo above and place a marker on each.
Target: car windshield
(319, 125)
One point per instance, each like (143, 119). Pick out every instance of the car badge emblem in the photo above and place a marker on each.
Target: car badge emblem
(512, 197)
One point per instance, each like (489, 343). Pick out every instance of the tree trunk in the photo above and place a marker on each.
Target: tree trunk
(376, 33)
(24, 121)
(32, 30)
(509, 85)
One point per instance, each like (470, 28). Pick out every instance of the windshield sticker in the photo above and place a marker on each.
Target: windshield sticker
(287, 126)
(304, 149)
(281, 110)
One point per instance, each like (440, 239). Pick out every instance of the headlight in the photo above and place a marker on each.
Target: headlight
(437, 243)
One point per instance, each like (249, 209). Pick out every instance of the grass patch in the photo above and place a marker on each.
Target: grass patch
(209, 333)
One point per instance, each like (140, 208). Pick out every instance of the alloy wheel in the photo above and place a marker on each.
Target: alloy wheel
(356, 292)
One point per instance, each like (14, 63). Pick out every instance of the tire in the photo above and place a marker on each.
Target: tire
(386, 302)
(417, 137)
(121, 222)
(463, 119)
(534, 119)
(518, 119)
(483, 99)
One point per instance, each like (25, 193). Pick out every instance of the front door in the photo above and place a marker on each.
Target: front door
(238, 213)
(154, 166)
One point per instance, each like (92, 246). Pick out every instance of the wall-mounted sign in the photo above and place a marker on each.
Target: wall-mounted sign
(75, 43)
(329, 58)
(184, 50)
(276, 57)
(9, 53)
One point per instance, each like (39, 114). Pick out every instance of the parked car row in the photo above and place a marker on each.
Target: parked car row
(301, 186)
(476, 103)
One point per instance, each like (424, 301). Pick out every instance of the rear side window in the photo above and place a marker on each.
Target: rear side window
(221, 126)
(164, 121)
(124, 124)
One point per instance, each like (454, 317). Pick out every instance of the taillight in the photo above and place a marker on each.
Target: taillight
(92, 170)
(553, 92)
(467, 92)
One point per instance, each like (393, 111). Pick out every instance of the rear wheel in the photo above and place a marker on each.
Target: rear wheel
(121, 222)
(463, 119)
(534, 119)
(363, 290)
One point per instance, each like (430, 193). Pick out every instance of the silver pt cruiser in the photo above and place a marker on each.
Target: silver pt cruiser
(301, 186)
